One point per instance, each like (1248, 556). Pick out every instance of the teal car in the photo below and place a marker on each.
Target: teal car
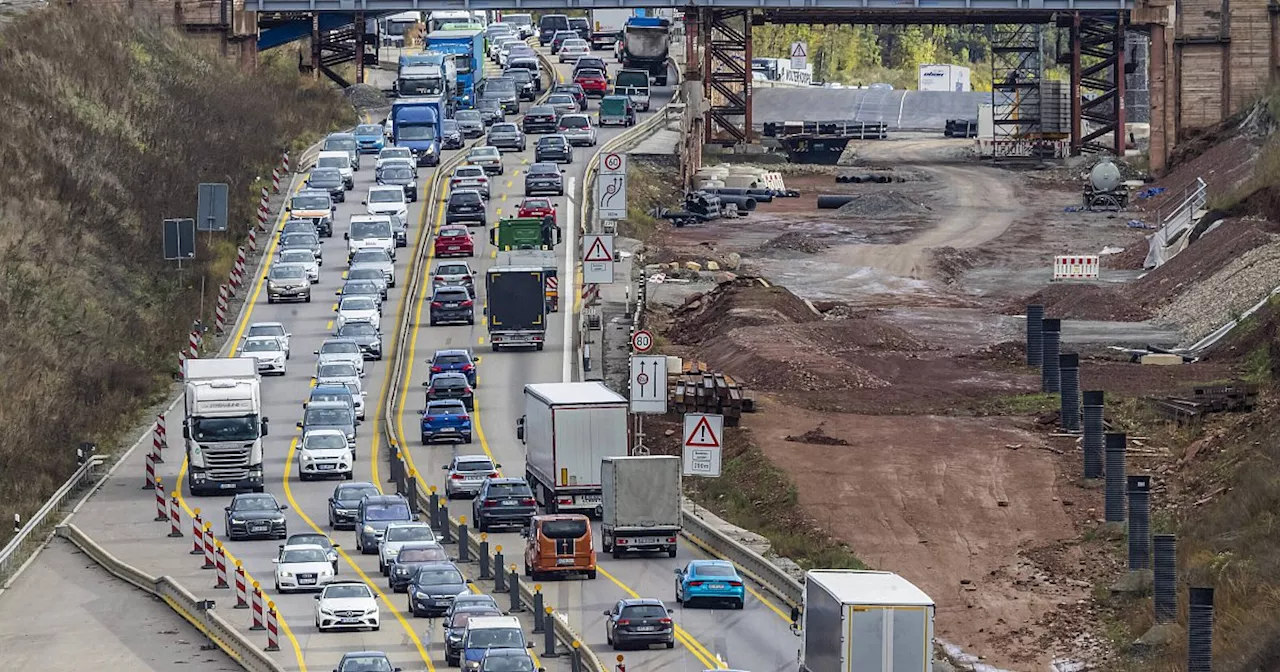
(370, 138)
(712, 582)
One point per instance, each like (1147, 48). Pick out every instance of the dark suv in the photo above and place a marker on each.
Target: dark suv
(452, 305)
(549, 25)
(553, 148)
(374, 514)
(465, 205)
(503, 502)
(543, 177)
(541, 119)
(639, 622)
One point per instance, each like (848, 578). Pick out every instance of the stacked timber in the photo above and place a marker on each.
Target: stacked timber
(698, 389)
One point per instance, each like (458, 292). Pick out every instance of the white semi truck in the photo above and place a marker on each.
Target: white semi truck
(568, 430)
(223, 428)
(863, 621)
(641, 504)
(607, 25)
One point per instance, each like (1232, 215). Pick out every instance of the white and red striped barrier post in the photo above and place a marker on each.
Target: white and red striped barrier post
(175, 516)
(275, 180)
(157, 445)
(253, 239)
(197, 533)
(208, 547)
(264, 210)
(237, 271)
(151, 472)
(242, 587)
(231, 282)
(273, 628)
(284, 162)
(257, 608)
(162, 502)
(193, 345)
(220, 310)
(221, 561)
(162, 430)
(182, 364)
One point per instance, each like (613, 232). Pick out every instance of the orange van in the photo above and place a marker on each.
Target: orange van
(559, 544)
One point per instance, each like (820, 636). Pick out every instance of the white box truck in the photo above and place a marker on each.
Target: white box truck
(944, 78)
(223, 427)
(568, 430)
(607, 25)
(862, 621)
(641, 509)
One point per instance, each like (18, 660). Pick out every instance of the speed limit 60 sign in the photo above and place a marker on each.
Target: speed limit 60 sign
(642, 341)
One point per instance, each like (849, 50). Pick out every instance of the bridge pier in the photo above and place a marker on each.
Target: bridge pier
(1102, 38)
(361, 29)
(726, 73)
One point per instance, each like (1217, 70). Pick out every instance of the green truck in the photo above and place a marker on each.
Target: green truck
(525, 233)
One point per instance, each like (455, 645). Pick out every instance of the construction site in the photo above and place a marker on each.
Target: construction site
(871, 360)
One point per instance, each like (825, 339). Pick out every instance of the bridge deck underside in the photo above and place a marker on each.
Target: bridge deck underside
(940, 11)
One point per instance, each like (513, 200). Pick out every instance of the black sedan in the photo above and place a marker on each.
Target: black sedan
(451, 386)
(365, 335)
(553, 148)
(541, 119)
(544, 178)
(490, 111)
(508, 137)
(433, 588)
(400, 176)
(330, 180)
(470, 122)
(451, 133)
(413, 555)
(255, 516)
(579, 94)
(344, 502)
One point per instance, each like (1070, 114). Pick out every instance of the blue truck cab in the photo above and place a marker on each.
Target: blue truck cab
(466, 45)
(415, 124)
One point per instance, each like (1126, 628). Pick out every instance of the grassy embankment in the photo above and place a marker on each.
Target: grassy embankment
(109, 125)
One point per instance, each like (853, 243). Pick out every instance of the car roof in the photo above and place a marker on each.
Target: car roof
(506, 480)
(320, 431)
(505, 653)
(711, 563)
(444, 402)
(353, 654)
(262, 338)
(385, 499)
(419, 545)
(331, 389)
(255, 495)
(332, 341)
(328, 404)
(379, 187)
(266, 324)
(642, 601)
(302, 547)
(312, 192)
(409, 524)
(340, 136)
(353, 485)
(452, 351)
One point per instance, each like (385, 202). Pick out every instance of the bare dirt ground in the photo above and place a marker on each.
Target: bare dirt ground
(897, 397)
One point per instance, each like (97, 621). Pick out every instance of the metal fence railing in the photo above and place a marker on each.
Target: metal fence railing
(26, 542)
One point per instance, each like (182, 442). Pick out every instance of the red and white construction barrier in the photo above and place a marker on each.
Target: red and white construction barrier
(162, 503)
(197, 534)
(237, 271)
(231, 282)
(264, 210)
(275, 180)
(161, 428)
(242, 587)
(284, 162)
(193, 344)
(220, 309)
(151, 472)
(157, 445)
(221, 561)
(253, 240)
(175, 515)
(590, 293)
(273, 628)
(208, 546)
(1075, 267)
(257, 607)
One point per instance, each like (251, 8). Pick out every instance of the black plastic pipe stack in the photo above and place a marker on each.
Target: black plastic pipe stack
(1050, 375)
(1114, 495)
(1069, 403)
(1093, 441)
(1200, 630)
(1139, 522)
(1166, 578)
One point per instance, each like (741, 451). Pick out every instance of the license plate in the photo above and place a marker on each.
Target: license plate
(307, 582)
(591, 498)
(644, 628)
(451, 249)
(350, 620)
(261, 528)
(564, 561)
(510, 502)
(644, 541)
(716, 586)
(326, 467)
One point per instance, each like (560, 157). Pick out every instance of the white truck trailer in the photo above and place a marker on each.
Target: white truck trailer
(641, 504)
(944, 78)
(223, 427)
(568, 430)
(862, 621)
(607, 25)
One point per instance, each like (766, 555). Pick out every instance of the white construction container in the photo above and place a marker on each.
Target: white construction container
(944, 78)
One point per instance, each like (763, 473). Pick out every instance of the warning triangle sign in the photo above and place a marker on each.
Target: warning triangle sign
(798, 50)
(702, 436)
(597, 251)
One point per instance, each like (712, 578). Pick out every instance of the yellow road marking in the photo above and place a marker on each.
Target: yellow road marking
(699, 651)
(707, 550)
(288, 493)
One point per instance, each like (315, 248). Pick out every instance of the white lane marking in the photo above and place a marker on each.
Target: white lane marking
(569, 297)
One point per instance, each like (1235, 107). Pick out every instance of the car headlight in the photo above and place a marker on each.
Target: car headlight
(473, 664)
(325, 572)
(326, 611)
(453, 637)
(421, 595)
(286, 575)
(237, 521)
(368, 529)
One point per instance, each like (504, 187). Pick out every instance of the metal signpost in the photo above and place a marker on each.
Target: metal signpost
(597, 259)
(211, 206)
(703, 444)
(648, 393)
(611, 189)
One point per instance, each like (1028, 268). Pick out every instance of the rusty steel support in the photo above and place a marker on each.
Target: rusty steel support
(727, 74)
(360, 29)
(1017, 70)
(1076, 101)
(1102, 39)
(1158, 152)
(315, 46)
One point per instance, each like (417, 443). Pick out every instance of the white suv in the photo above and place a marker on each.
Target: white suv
(324, 452)
(347, 604)
(388, 200)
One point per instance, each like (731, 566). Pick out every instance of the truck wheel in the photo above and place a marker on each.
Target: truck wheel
(606, 545)
(617, 553)
(591, 574)
(671, 552)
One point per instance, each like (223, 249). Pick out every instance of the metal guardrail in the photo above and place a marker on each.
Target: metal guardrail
(755, 566)
(11, 556)
(221, 633)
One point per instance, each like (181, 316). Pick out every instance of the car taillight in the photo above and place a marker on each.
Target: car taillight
(493, 474)
(624, 621)
(468, 367)
(437, 304)
(456, 477)
(436, 369)
(440, 278)
(466, 304)
(464, 417)
(528, 501)
(430, 418)
(695, 583)
(490, 503)
(664, 621)
(736, 584)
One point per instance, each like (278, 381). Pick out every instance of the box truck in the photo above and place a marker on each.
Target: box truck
(569, 429)
(863, 621)
(641, 504)
(607, 25)
(223, 427)
(944, 78)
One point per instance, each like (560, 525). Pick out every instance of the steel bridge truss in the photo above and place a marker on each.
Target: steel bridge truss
(1017, 70)
(1097, 86)
(726, 68)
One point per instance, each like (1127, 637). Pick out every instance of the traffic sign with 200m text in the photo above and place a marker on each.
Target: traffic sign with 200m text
(703, 444)
(597, 259)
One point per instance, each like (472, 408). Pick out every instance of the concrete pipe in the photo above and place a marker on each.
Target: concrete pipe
(833, 202)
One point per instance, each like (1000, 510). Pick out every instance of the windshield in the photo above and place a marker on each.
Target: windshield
(501, 85)
(564, 529)
(359, 329)
(310, 203)
(326, 441)
(288, 272)
(713, 570)
(369, 129)
(260, 503)
(345, 144)
(465, 197)
(468, 115)
(452, 269)
(328, 416)
(486, 153)
(543, 169)
(333, 162)
(243, 428)
(574, 122)
(366, 273)
(417, 132)
(644, 611)
(446, 408)
(508, 664)
(509, 490)
(536, 204)
(422, 86)
(381, 196)
(518, 19)
(262, 345)
(448, 360)
(396, 153)
(387, 512)
(265, 330)
(297, 257)
(355, 494)
(338, 370)
(340, 348)
(632, 78)
(347, 591)
(414, 533)
(590, 73)
(443, 382)
(397, 173)
(504, 128)
(370, 256)
(304, 555)
(358, 303)
(562, 99)
(438, 576)
(365, 664)
(299, 240)
(421, 555)
(469, 172)
(449, 126)
(495, 638)
(552, 141)
(463, 63)
(362, 230)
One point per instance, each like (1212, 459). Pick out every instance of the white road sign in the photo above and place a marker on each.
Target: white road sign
(703, 444)
(611, 195)
(597, 259)
(642, 341)
(649, 384)
(799, 55)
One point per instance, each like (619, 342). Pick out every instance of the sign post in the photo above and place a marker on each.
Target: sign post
(179, 240)
(597, 259)
(799, 55)
(648, 393)
(611, 187)
(703, 444)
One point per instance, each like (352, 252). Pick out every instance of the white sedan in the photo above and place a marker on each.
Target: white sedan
(304, 257)
(347, 604)
(572, 50)
(303, 567)
(324, 452)
(358, 309)
(268, 351)
(269, 329)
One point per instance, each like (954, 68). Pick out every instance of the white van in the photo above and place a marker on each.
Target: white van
(370, 231)
(341, 161)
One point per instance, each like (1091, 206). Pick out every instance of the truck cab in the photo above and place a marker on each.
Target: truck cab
(415, 124)
(525, 233)
(223, 429)
(559, 544)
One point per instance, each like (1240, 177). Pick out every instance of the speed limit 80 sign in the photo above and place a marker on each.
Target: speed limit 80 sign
(642, 341)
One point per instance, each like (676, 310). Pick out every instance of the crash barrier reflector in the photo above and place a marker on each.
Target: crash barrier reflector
(221, 633)
(1075, 267)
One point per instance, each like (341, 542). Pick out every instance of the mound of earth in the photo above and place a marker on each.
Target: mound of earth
(816, 436)
(795, 241)
(886, 203)
(743, 302)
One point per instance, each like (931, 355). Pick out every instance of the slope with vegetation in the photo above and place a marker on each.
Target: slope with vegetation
(109, 125)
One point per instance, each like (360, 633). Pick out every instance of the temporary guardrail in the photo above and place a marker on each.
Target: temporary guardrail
(10, 556)
(197, 612)
(407, 482)
(755, 566)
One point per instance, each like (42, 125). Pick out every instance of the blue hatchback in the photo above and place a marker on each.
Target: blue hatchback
(711, 581)
(446, 420)
(370, 138)
(455, 360)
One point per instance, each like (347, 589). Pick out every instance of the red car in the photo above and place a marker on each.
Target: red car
(537, 207)
(455, 241)
(593, 82)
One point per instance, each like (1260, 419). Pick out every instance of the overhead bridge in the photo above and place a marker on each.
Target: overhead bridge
(996, 9)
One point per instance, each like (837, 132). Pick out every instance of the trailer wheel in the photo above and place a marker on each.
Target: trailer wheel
(607, 545)
(671, 552)
(617, 553)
